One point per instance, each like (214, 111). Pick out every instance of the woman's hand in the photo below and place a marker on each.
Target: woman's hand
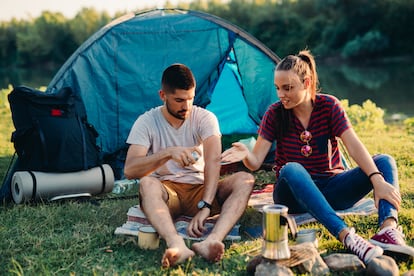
(236, 153)
(384, 190)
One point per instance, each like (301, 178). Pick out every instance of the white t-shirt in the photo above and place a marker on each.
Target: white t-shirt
(152, 131)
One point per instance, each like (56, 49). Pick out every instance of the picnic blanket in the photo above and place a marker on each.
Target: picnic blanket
(259, 198)
(136, 219)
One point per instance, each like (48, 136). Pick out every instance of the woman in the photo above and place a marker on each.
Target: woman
(310, 175)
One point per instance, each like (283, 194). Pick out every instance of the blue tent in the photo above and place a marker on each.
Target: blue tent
(118, 71)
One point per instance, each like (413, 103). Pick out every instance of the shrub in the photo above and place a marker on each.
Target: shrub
(367, 117)
(409, 125)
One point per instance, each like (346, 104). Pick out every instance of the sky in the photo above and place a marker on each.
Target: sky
(21, 9)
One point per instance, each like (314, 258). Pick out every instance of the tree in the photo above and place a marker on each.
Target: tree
(86, 22)
(8, 44)
(370, 45)
(44, 41)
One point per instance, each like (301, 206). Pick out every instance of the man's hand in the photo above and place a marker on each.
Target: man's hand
(196, 227)
(184, 155)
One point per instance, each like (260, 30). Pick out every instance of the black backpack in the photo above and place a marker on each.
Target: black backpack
(52, 132)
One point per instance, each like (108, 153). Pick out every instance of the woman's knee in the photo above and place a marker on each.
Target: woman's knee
(388, 167)
(294, 176)
(291, 168)
(385, 161)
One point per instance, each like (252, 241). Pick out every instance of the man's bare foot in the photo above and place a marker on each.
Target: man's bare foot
(175, 255)
(211, 250)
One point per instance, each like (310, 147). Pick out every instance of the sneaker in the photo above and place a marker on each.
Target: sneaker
(365, 250)
(392, 239)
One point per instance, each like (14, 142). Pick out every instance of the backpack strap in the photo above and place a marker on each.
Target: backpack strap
(84, 153)
(5, 188)
(42, 141)
(34, 185)
(103, 179)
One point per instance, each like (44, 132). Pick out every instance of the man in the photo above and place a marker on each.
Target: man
(175, 151)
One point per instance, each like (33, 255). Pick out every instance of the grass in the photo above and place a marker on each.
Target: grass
(77, 238)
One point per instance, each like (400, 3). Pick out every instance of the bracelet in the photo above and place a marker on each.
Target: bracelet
(374, 173)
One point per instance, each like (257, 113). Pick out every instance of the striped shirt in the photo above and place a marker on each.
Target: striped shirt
(327, 122)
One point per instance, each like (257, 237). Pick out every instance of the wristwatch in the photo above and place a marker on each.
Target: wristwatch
(202, 204)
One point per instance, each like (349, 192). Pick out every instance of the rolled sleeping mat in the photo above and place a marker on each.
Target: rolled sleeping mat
(31, 185)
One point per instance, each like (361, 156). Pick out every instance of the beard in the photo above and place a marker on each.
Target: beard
(181, 114)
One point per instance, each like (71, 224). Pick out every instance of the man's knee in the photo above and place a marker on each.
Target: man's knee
(244, 183)
(148, 185)
(245, 179)
(241, 182)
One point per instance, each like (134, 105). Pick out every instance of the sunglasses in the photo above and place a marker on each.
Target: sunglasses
(305, 137)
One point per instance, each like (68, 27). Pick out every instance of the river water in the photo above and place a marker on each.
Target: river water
(389, 86)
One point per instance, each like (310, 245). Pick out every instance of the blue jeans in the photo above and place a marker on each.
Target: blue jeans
(320, 197)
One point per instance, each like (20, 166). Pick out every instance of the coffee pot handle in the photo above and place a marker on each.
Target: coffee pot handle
(292, 225)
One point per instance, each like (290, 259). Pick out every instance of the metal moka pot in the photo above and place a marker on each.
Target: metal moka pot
(275, 232)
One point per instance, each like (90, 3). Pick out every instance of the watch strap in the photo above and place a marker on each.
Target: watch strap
(208, 205)
(205, 204)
